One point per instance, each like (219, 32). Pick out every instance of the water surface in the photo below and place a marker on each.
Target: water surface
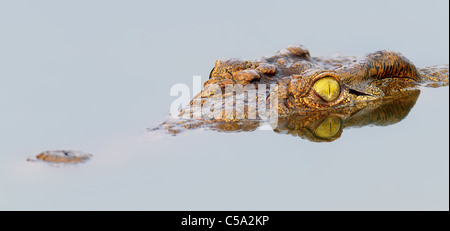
(95, 83)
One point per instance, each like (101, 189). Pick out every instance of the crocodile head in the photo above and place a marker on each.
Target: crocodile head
(312, 97)
(305, 84)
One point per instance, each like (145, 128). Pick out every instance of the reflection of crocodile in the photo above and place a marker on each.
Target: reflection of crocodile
(316, 96)
(328, 127)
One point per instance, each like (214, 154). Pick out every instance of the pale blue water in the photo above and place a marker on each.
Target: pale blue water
(93, 76)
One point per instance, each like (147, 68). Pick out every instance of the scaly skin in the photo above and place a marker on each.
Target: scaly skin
(373, 81)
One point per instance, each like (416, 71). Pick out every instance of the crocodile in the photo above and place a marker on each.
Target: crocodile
(61, 157)
(312, 97)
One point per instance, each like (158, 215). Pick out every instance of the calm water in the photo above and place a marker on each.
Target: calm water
(94, 76)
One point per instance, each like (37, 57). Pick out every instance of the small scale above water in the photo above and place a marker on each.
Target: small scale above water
(62, 157)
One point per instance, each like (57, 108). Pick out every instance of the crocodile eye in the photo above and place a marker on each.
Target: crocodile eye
(328, 128)
(327, 88)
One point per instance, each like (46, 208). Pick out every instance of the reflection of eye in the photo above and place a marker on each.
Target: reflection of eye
(328, 128)
(327, 88)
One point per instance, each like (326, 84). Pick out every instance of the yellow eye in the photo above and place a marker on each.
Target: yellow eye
(329, 127)
(328, 88)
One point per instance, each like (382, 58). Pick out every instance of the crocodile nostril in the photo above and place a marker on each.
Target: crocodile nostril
(247, 76)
